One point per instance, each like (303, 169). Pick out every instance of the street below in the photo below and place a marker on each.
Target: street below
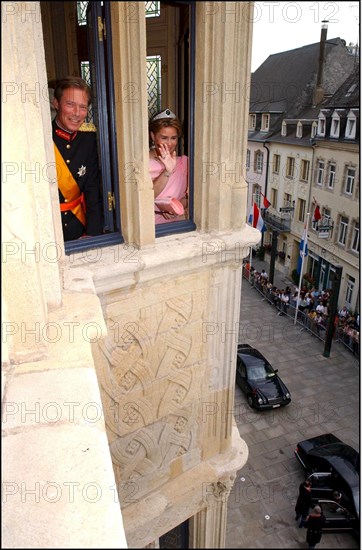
(325, 398)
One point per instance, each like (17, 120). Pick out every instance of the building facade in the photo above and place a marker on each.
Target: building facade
(304, 168)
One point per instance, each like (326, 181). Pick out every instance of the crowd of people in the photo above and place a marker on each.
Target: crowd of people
(313, 308)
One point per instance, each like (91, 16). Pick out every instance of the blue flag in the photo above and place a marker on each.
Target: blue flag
(303, 249)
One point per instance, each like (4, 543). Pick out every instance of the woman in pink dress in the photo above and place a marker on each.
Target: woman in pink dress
(169, 172)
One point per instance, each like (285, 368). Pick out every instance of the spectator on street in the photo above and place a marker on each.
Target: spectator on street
(314, 524)
(304, 502)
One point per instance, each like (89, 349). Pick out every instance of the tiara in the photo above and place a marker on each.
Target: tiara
(165, 114)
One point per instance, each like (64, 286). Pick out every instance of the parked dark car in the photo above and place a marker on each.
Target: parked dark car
(332, 465)
(256, 377)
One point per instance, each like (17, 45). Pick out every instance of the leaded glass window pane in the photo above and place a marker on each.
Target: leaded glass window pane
(152, 9)
(82, 13)
(85, 74)
(153, 84)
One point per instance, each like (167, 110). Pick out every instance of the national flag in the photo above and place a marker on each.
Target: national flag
(255, 218)
(266, 202)
(303, 249)
(317, 215)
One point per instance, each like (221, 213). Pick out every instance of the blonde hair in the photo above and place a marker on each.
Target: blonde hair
(156, 125)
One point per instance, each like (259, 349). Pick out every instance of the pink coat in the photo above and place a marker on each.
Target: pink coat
(176, 186)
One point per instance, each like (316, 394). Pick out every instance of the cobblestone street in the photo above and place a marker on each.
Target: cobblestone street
(325, 398)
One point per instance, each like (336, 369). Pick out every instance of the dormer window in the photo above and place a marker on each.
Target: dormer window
(252, 122)
(313, 131)
(335, 126)
(284, 128)
(265, 120)
(321, 125)
(299, 130)
(351, 126)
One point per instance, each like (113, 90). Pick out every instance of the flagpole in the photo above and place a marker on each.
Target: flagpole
(252, 225)
(301, 268)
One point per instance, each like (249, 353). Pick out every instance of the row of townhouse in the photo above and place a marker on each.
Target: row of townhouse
(303, 155)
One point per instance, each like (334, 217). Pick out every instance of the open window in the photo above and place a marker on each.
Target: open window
(170, 28)
(78, 41)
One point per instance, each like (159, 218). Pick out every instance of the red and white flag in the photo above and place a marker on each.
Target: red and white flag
(266, 202)
(317, 215)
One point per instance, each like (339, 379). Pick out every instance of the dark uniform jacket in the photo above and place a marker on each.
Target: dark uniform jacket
(304, 500)
(79, 151)
(314, 524)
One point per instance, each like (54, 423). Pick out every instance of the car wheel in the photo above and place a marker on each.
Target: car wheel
(250, 401)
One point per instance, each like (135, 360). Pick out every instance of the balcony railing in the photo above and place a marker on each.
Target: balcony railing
(279, 223)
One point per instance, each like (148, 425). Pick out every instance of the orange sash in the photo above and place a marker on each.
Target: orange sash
(69, 189)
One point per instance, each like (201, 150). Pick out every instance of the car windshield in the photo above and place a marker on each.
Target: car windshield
(260, 371)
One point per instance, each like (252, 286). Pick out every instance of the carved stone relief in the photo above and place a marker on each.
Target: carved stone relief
(152, 375)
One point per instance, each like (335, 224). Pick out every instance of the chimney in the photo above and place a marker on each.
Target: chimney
(319, 90)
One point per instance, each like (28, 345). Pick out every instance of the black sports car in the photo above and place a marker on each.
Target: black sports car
(258, 380)
(332, 466)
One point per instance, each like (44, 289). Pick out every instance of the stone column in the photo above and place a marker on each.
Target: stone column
(31, 247)
(130, 77)
(208, 527)
(222, 105)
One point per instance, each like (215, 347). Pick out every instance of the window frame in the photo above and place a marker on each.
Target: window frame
(321, 125)
(259, 162)
(276, 163)
(349, 180)
(287, 199)
(351, 281)
(355, 238)
(290, 167)
(335, 125)
(257, 194)
(106, 125)
(331, 175)
(320, 172)
(252, 121)
(305, 167)
(274, 197)
(184, 226)
(302, 205)
(265, 122)
(248, 155)
(115, 236)
(343, 230)
(350, 133)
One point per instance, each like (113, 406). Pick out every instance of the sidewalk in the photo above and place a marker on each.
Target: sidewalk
(280, 279)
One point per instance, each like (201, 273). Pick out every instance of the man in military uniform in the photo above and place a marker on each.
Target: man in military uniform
(76, 158)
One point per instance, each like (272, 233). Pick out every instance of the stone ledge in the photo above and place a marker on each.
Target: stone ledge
(58, 465)
(122, 266)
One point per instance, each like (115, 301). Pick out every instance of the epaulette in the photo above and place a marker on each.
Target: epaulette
(87, 127)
